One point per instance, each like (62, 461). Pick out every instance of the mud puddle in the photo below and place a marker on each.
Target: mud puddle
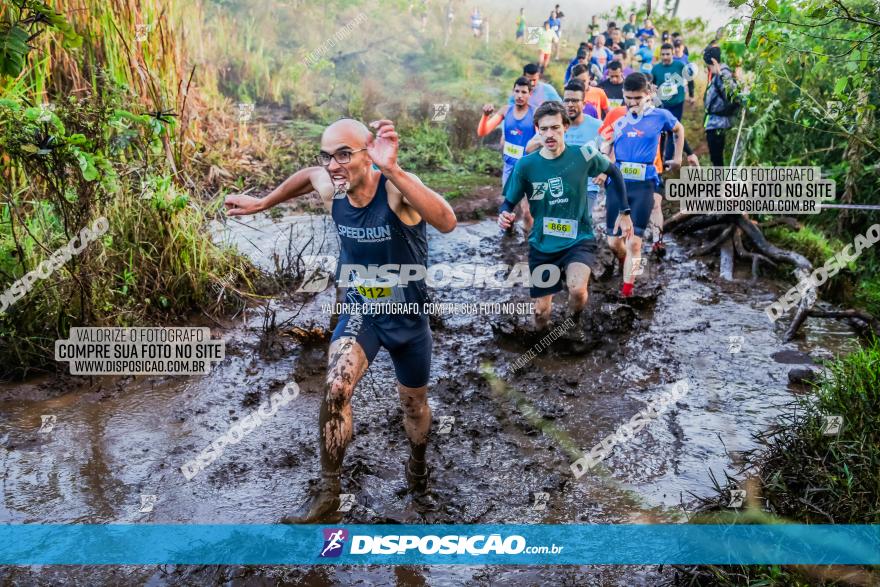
(116, 440)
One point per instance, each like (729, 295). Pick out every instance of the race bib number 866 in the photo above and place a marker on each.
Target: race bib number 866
(560, 227)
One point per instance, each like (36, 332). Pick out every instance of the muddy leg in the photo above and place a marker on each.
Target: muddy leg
(617, 247)
(623, 250)
(634, 258)
(657, 216)
(543, 308)
(346, 365)
(577, 279)
(417, 422)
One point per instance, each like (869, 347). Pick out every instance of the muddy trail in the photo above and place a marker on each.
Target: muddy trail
(115, 440)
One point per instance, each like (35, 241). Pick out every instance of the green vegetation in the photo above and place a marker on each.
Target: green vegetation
(813, 102)
(799, 474)
(808, 240)
(816, 478)
(79, 156)
(129, 108)
(453, 172)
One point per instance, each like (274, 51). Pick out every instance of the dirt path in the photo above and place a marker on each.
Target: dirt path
(116, 440)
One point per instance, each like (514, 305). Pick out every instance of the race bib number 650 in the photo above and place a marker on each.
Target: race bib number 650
(633, 171)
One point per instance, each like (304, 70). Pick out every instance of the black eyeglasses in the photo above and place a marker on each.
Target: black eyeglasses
(342, 157)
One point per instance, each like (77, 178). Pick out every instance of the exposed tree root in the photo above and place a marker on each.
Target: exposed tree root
(756, 258)
(690, 223)
(731, 242)
(715, 243)
(802, 271)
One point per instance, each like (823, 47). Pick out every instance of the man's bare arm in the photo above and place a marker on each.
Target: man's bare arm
(300, 183)
(423, 200)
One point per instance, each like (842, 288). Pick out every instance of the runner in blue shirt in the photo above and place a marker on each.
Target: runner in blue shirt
(518, 125)
(636, 139)
(645, 54)
(579, 58)
(519, 128)
(647, 30)
(679, 54)
(541, 91)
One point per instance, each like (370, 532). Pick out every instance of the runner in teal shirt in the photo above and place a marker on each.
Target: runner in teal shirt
(561, 243)
(669, 79)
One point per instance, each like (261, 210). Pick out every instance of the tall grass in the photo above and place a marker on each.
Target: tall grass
(800, 474)
(95, 147)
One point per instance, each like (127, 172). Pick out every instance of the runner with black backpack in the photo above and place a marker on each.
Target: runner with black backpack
(721, 101)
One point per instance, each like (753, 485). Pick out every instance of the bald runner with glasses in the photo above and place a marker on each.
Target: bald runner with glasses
(381, 217)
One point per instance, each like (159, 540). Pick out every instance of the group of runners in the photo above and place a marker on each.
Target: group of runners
(603, 134)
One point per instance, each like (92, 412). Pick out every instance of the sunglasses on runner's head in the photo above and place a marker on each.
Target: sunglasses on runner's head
(342, 157)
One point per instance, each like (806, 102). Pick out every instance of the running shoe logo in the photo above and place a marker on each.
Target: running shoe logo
(334, 538)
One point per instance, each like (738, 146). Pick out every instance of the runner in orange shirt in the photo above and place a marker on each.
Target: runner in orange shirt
(595, 96)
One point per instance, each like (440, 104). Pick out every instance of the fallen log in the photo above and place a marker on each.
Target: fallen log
(714, 243)
(688, 222)
(803, 270)
(863, 322)
(786, 220)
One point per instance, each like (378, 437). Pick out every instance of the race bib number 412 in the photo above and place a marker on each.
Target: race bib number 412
(560, 227)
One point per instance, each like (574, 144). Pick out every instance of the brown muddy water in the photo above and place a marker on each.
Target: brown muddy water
(116, 439)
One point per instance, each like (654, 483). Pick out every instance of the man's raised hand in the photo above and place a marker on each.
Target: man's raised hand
(383, 148)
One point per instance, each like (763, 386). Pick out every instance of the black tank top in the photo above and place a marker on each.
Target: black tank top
(373, 236)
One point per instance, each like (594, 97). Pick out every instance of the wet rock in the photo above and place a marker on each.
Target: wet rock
(610, 317)
(251, 398)
(804, 375)
(792, 357)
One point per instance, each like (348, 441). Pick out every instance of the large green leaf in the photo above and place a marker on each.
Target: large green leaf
(13, 50)
(56, 21)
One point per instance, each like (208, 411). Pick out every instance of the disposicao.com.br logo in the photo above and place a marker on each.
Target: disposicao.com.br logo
(476, 545)
(334, 539)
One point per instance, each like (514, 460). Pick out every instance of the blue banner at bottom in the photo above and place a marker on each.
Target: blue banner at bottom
(517, 544)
